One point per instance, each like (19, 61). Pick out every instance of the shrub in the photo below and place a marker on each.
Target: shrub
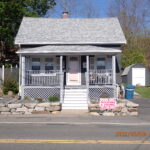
(53, 98)
(39, 99)
(10, 85)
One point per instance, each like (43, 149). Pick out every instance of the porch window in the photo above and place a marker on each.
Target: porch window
(49, 64)
(100, 64)
(35, 63)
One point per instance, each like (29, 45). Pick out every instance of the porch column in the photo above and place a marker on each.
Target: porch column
(20, 72)
(114, 69)
(61, 79)
(23, 70)
(87, 77)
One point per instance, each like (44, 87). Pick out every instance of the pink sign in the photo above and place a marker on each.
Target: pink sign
(107, 103)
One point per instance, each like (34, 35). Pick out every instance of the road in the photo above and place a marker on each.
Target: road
(75, 132)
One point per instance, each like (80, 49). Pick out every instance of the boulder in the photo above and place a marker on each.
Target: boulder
(22, 109)
(131, 104)
(27, 113)
(56, 108)
(30, 110)
(108, 114)
(124, 110)
(2, 105)
(55, 112)
(133, 113)
(39, 108)
(1, 92)
(55, 104)
(94, 113)
(6, 113)
(13, 110)
(10, 94)
(4, 109)
(16, 113)
(43, 105)
(15, 105)
(120, 105)
(30, 105)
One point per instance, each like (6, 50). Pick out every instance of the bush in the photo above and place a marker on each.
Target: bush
(10, 85)
(53, 98)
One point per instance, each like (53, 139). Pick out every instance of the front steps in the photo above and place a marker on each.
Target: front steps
(75, 99)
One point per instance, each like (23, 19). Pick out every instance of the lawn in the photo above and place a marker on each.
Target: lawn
(143, 91)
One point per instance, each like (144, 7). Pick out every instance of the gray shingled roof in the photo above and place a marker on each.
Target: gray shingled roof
(67, 49)
(70, 31)
(127, 69)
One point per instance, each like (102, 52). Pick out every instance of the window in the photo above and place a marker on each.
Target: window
(49, 64)
(35, 63)
(100, 64)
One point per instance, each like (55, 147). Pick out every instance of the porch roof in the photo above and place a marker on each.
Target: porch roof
(69, 49)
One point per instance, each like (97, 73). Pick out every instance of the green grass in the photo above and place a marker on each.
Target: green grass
(143, 91)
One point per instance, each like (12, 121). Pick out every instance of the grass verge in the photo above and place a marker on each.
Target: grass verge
(143, 91)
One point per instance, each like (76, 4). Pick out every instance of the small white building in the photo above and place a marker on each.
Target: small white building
(74, 59)
(136, 74)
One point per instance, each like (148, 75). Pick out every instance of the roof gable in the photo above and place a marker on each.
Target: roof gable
(70, 31)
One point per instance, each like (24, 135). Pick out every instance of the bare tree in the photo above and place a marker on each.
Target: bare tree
(132, 15)
(89, 10)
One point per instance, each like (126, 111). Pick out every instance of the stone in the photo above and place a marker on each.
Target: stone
(55, 112)
(131, 109)
(120, 105)
(124, 110)
(1, 92)
(5, 113)
(22, 109)
(30, 110)
(133, 114)
(117, 109)
(94, 105)
(4, 109)
(94, 113)
(13, 110)
(43, 105)
(18, 97)
(131, 104)
(108, 114)
(15, 105)
(2, 105)
(56, 108)
(49, 109)
(27, 113)
(16, 113)
(39, 108)
(30, 105)
(10, 94)
(55, 104)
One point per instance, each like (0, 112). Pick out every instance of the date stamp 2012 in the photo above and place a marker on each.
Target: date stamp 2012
(131, 133)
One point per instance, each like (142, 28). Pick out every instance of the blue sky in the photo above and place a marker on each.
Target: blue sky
(101, 7)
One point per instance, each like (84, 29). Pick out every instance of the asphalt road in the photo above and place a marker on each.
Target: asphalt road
(75, 132)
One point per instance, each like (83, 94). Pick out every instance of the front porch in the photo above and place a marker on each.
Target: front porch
(44, 76)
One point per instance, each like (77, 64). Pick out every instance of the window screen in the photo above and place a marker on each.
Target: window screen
(35, 63)
(100, 64)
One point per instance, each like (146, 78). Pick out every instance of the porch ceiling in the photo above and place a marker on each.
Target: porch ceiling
(69, 49)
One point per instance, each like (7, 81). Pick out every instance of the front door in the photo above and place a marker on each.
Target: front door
(73, 72)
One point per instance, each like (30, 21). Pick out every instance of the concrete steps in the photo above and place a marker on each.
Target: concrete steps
(75, 99)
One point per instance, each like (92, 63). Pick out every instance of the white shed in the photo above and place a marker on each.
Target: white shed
(136, 74)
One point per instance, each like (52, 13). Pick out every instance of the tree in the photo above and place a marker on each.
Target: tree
(11, 13)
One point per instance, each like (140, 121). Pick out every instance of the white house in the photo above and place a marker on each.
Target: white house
(74, 59)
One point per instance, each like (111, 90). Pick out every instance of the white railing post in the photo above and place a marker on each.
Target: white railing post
(3, 73)
(114, 69)
(61, 79)
(23, 70)
(87, 77)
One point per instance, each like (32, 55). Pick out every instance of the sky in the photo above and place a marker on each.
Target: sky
(101, 7)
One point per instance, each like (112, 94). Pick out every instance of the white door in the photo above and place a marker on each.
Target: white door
(73, 73)
(138, 76)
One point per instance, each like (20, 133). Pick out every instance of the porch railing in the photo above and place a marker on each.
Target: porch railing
(100, 77)
(42, 78)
